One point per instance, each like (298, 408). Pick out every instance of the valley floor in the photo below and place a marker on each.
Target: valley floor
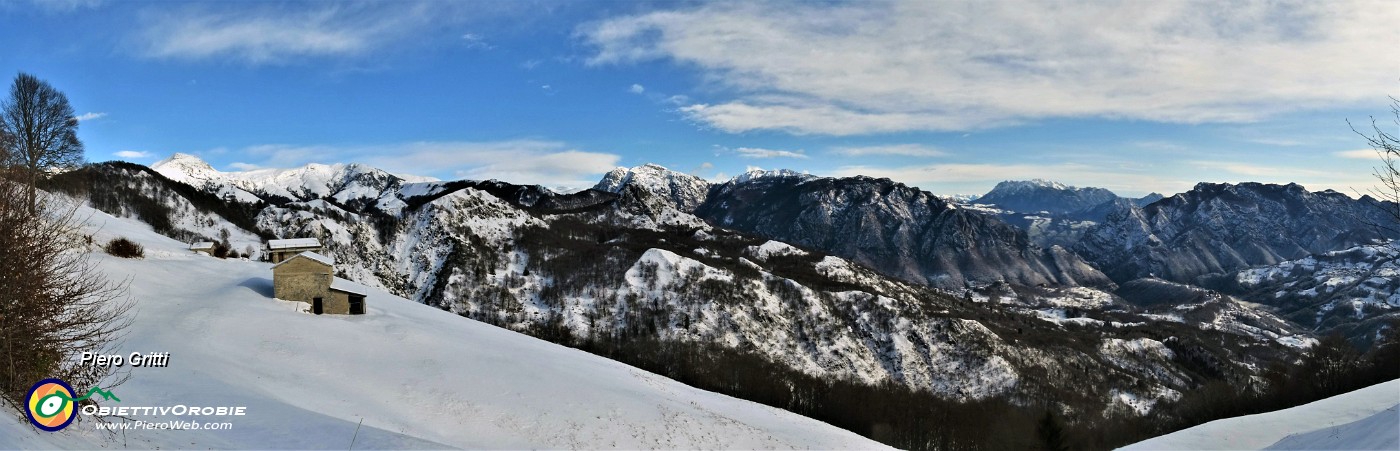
(416, 376)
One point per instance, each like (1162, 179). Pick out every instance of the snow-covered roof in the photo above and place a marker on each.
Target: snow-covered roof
(310, 255)
(202, 245)
(339, 284)
(292, 243)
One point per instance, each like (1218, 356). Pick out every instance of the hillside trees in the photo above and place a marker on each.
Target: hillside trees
(41, 131)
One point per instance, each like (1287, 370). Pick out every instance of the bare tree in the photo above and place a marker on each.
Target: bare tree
(42, 130)
(1387, 147)
(54, 304)
(5, 142)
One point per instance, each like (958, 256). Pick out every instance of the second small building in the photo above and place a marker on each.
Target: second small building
(310, 277)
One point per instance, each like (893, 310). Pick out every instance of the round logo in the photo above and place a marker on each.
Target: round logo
(50, 405)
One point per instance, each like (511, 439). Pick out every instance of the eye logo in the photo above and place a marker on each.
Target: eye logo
(50, 405)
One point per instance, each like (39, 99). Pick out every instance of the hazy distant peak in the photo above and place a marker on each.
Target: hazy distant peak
(760, 173)
(1016, 185)
(1044, 195)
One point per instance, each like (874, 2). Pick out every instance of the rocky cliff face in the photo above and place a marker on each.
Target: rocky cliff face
(1219, 228)
(898, 230)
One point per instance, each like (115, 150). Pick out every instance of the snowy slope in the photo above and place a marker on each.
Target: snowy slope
(418, 377)
(1364, 419)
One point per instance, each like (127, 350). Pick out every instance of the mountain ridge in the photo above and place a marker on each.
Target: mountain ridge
(608, 272)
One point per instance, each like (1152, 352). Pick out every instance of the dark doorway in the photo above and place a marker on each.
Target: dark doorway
(357, 305)
(316, 306)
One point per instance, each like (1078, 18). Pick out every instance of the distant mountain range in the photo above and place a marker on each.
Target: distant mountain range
(1027, 233)
(853, 278)
(1219, 228)
(1317, 257)
(899, 230)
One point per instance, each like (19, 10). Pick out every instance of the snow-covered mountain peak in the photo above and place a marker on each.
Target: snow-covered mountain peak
(343, 181)
(684, 190)
(961, 198)
(184, 167)
(1012, 186)
(183, 158)
(756, 174)
(647, 174)
(1039, 195)
(1049, 184)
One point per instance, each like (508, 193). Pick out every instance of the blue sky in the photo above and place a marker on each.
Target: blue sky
(949, 96)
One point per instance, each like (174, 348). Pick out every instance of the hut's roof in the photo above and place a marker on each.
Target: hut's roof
(339, 284)
(329, 261)
(293, 243)
(202, 245)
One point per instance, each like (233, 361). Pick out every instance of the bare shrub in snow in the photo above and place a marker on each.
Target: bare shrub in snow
(54, 304)
(124, 248)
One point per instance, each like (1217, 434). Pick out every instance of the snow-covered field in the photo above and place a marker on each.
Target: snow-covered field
(416, 376)
(1364, 419)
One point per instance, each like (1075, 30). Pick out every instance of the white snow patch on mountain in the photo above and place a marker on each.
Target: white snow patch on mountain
(774, 248)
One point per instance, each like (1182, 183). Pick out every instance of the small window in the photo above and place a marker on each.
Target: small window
(357, 305)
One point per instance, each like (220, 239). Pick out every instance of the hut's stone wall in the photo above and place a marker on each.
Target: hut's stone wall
(302, 279)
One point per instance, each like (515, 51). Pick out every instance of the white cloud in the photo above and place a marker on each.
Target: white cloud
(637, 89)
(754, 152)
(978, 178)
(1160, 146)
(476, 41)
(525, 161)
(903, 150)
(90, 116)
(1263, 171)
(64, 6)
(877, 67)
(1281, 142)
(241, 166)
(1359, 154)
(268, 34)
(133, 154)
(739, 117)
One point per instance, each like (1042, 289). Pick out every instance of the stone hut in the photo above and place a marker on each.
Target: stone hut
(281, 250)
(310, 277)
(203, 247)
